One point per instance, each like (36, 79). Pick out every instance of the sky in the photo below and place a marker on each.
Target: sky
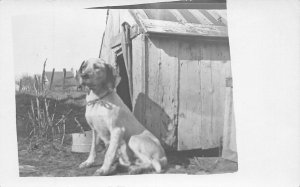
(64, 36)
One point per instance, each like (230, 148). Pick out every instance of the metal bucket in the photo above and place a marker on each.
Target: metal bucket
(81, 142)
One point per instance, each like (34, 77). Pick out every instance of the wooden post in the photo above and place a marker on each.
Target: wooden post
(36, 84)
(43, 75)
(52, 76)
(39, 83)
(20, 86)
(229, 136)
(64, 80)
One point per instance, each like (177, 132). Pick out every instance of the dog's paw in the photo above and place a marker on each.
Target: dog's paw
(86, 164)
(133, 170)
(106, 171)
(101, 172)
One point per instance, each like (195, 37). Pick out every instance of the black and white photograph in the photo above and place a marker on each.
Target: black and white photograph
(156, 99)
(187, 90)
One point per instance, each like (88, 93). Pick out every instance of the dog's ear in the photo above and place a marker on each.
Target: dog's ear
(98, 64)
(83, 64)
(112, 76)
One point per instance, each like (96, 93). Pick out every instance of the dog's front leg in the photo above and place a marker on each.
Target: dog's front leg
(91, 159)
(115, 138)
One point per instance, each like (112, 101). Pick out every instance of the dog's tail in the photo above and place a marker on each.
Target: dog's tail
(159, 164)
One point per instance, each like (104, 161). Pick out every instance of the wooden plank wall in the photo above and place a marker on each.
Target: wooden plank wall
(185, 94)
(202, 94)
(179, 90)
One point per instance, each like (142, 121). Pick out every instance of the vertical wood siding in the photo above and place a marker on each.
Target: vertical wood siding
(162, 99)
(137, 45)
(229, 141)
(184, 102)
(155, 87)
(138, 78)
(189, 97)
(202, 94)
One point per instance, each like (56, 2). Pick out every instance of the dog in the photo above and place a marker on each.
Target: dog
(125, 138)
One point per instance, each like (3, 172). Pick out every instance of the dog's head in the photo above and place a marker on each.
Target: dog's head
(96, 74)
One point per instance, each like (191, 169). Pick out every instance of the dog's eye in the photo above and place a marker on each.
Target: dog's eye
(85, 76)
(96, 66)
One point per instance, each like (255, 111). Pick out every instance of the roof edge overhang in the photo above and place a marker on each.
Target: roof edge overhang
(193, 4)
(188, 36)
(145, 25)
(188, 29)
(115, 42)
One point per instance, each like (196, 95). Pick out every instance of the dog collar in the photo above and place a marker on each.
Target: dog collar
(99, 100)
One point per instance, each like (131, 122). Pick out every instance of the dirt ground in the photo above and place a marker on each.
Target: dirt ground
(59, 161)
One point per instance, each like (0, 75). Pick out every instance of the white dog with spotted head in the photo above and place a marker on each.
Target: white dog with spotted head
(113, 123)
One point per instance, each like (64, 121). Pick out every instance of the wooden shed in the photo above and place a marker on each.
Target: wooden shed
(176, 73)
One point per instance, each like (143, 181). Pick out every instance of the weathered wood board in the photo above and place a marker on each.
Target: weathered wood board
(137, 67)
(218, 94)
(189, 117)
(168, 27)
(229, 150)
(138, 78)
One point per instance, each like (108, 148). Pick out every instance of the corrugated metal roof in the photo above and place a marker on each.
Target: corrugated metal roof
(183, 21)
